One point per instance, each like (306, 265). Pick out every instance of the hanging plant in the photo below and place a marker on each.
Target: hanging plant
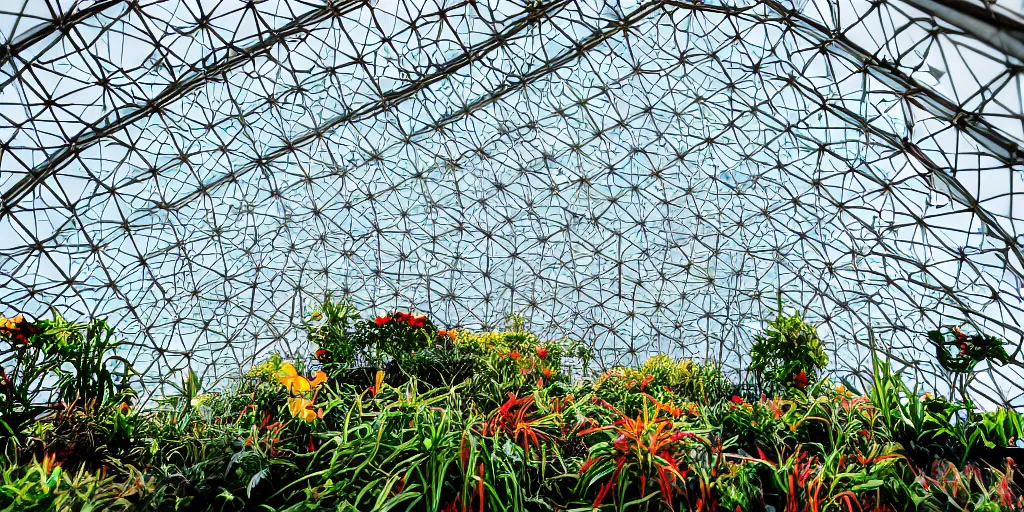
(960, 352)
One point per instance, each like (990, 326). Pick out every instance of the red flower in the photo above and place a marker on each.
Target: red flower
(736, 399)
(417, 321)
(322, 354)
(547, 373)
(381, 320)
(542, 352)
(514, 355)
(800, 379)
(400, 316)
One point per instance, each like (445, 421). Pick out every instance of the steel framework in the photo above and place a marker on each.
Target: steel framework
(646, 175)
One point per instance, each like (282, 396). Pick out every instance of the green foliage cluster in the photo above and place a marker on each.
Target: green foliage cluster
(57, 362)
(788, 354)
(328, 329)
(662, 378)
(344, 340)
(969, 350)
(514, 433)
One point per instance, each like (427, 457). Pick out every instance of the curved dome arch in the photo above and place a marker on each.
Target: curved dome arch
(645, 175)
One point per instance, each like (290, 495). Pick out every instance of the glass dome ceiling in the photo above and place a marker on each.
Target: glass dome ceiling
(645, 176)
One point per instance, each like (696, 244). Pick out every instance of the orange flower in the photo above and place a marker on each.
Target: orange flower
(18, 329)
(378, 382)
(11, 324)
(297, 383)
(303, 409)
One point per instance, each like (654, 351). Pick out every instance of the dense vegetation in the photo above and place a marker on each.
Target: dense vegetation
(392, 413)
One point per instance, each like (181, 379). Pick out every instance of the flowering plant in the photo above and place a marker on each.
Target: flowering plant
(511, 438)
(394, 336)
(18, 330)
(515, 357)
(343, 339)
(968, 349)
(58, 365)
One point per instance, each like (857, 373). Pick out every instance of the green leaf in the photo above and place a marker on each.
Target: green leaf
(870, 484)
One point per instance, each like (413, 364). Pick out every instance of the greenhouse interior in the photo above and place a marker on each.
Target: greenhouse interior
(512, 255)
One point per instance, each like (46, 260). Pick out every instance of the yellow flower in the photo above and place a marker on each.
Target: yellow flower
(303, 409)
(316, 316)
(297, 383)
(11, 323)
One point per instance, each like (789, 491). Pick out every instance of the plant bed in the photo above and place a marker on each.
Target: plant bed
(392, 413)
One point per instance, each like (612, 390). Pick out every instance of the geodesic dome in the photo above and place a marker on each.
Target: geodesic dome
(640, 175)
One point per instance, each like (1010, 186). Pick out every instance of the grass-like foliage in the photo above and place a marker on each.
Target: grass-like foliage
(393, 413)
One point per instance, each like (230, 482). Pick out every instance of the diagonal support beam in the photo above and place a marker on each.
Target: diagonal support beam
(999, 145)
(957, 190)
(987, 23)
(124, 117)
(42, 31)
(396, 96)
(511, 85)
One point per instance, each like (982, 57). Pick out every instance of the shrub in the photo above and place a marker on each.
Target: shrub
(328, 329)
(788, 354)
(344, 341)
(664, 379)
(57, 363)
(511, 361)
(393, 337)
